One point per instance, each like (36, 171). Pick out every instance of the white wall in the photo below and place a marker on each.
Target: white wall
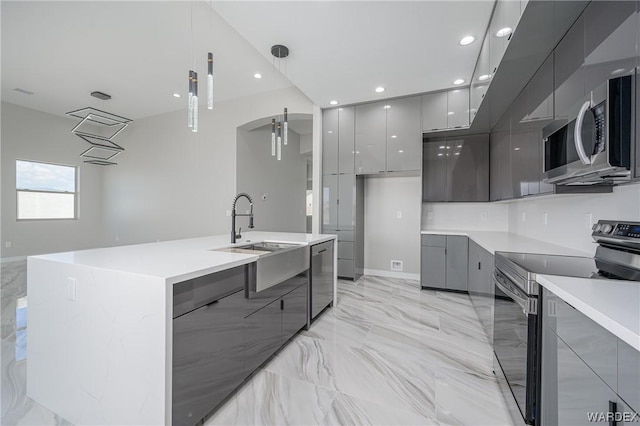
(32, 135)
(476, 216)
(569, 217)
(387, 237)
(171, 183)
(284, 182)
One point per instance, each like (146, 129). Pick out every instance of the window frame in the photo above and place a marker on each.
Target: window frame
(75, 193)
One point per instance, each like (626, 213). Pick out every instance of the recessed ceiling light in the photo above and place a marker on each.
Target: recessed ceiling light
(400, 151)
(176, 95)
(484, 77)
(442, 147)
(467, 40)
(450, 113)
(387, 106)
(394, 136)
(503, 32)
(330, 131)
(448, 147)
(618, 71)
(516, 149)
(379, 89)
(257, 75)
(459, 146)
(333, 102)
(457, 153)
(458, 82)
(440, 155)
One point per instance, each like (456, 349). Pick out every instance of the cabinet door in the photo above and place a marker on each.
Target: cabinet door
(522, 155)
(330, 132)
(458, 108)
(433, 267)
(610, 41)
(207, 357)
(629, 374)
(467, 176)
(263, 335)
(500, 163)
(473, 271)
(371, 136)
(294, 311)
(569, 73)
(540, 93)
(434, 111)
(434, 171)
(346, 139)
(497, 44)
(457, 262)
(329, 204)
(346, 202)
(481, 78)
(570, 390)
(404, 134)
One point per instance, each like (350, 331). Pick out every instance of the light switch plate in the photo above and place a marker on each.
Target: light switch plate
(72, 289)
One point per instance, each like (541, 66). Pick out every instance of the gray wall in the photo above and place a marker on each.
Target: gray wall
(172, 183)
(387, 237)
(32, 135)
(283, 181)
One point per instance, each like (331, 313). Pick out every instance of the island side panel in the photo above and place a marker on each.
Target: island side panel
(101, 358)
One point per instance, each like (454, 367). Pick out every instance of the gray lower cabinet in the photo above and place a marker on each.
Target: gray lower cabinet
(481, 288)
(584, 368)
(444, 260)
(294, 311)
(208, 354)
(263, 335)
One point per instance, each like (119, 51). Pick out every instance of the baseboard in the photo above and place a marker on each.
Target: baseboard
(392, 274)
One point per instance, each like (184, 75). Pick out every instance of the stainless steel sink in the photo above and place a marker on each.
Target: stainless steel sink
(277, 262)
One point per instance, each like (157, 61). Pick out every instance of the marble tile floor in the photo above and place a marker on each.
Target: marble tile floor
(387, 354)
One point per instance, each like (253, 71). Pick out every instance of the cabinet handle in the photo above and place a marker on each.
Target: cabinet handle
(613, 410)
(322, 251)
(282, 304)
(479, 266)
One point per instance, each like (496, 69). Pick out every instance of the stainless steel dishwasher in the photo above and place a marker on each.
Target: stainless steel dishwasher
(321, 277)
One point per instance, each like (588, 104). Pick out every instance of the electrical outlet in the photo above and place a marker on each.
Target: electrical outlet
(396, 265)
(545, 218)
(399, 214)
(429, 215)
(71, 289)
(523, 217)
(588, 221)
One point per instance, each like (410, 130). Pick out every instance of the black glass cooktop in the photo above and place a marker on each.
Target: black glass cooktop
(545, 264)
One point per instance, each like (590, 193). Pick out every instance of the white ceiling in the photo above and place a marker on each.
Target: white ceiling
(342, 50)
(140, 52)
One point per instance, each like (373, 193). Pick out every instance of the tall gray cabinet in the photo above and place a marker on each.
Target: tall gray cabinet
(342, 191)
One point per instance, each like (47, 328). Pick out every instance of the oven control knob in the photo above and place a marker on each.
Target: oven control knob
(597, 227)
(606, 228)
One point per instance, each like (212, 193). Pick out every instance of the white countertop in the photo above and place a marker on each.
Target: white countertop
(613, 304)
(178, 260)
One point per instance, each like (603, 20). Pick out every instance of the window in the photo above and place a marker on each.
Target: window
(45, 191)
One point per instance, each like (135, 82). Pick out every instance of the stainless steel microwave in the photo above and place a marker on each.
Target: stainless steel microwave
(595, 146)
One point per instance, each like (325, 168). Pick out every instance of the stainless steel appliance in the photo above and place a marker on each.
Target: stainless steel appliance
(595, 146)
(321, 277)
(517, 301)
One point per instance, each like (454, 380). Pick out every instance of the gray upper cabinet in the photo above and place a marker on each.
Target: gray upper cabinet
(330, 141)
(540, 93)
(404, 137)
(338, 149)
(458, 108)
(467, 159)
(456, 169)
(346, 139)
(481, 79)
(434, 111)
(500, 161)
(371, 138)
(569, 73)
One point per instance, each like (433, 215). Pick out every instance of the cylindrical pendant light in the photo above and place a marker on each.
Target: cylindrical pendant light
(286, 127)
(273, 137)
(194, 98)
(190, 101)
(210, 81)
(279, 150)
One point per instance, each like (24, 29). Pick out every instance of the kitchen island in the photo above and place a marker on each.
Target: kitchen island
(100, 343)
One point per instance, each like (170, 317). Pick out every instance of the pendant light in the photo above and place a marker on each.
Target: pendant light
(194, 100)
(210, 80)
(279, 52)
(190, 101)
(279, 147)
(286, 127)
(273, 137)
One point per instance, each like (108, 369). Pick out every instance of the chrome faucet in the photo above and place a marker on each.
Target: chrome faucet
(234, 214)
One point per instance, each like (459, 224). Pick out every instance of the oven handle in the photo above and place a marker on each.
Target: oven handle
(577, 134)
(528, 305)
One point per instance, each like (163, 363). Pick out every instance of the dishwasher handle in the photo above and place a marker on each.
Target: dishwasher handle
(529, 305)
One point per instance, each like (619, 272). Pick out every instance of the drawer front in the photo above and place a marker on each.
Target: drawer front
(434, 240)
(346, 268)
(345, 235)
(345, 250)
(597, 347)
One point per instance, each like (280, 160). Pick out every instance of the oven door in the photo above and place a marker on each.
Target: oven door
(515, 342)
